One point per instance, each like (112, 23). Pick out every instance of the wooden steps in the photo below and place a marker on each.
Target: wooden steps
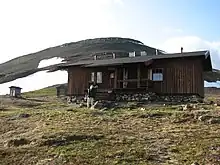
(104, 95)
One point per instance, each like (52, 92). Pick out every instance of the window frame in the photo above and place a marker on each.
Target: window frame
(92, 76)
(99, 76)
(160, 74)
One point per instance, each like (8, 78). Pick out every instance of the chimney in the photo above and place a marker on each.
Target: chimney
(181, 49)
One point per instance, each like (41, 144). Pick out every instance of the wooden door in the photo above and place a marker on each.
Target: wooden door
(111, 79)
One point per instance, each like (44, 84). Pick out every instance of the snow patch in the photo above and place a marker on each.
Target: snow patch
(36, 81)
(51, 61)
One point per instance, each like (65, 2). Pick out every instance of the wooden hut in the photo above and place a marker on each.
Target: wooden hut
(166, 74)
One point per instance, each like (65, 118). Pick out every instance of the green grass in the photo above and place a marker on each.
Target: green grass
(51, 91)
(61, 134)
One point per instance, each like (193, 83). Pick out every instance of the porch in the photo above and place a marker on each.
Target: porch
(133, 78)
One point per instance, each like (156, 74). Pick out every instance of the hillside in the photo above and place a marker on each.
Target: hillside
(42, 129)
(28, 64)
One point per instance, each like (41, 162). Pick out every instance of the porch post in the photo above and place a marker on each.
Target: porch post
(138, 75)
(116, 78)
(124, 78)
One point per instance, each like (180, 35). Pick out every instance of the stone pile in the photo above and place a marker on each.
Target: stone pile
(152, 97)
(136, 97)
(146, 97)
(180, 98)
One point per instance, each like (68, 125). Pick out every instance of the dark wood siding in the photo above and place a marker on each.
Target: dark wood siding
(77, 80)
(181, 76)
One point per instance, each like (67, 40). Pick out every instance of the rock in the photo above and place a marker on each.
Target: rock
(17, 142)
(214, 121)
(71, 100)
(195, 163)
(218, 103)
(188, 107)
(185, 107)
(211, 102)
(81, 105)
(204, 117)
(194, 106)
(143, 109)
(45, 161)
(191, 106)
(24, 115)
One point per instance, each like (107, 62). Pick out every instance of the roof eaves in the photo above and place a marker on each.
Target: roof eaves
(207, 53)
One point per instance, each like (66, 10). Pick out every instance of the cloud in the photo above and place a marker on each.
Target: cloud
(27, 27)
(110, 2)
(170, 30)
(120, 2)
(193, 43)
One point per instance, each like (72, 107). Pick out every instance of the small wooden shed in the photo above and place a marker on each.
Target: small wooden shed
(15, 91)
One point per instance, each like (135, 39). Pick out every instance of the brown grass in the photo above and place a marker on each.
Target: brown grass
(52, 134)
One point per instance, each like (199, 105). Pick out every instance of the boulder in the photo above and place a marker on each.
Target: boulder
(204, 117)
(214, 120)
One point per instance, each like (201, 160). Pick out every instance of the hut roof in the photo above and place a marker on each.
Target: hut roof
(126, 60)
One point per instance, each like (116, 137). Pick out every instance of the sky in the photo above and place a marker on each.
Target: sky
(30, 26)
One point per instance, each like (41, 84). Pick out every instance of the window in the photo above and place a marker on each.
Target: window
(143, 53)
(157, 74)
(131, 54)
(99, 77)
(93, 76)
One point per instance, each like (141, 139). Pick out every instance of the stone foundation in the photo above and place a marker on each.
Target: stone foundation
(152, 97)
(145, 97)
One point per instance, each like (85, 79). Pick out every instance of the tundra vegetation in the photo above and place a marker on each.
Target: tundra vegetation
(42, 129)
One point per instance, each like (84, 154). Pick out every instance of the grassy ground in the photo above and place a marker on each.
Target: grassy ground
(55, 133)
(45, 92)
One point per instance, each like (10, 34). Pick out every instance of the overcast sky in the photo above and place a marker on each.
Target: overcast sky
(28, 26)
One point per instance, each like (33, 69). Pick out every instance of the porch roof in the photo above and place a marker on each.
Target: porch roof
(126, 60)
